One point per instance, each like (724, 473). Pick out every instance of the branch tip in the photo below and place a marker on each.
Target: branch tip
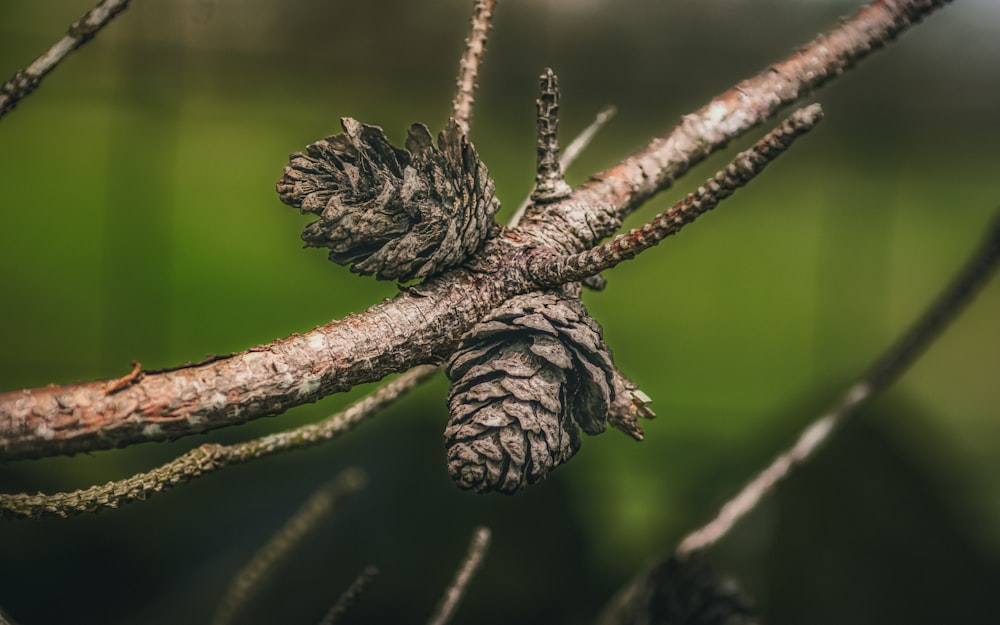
(549, 183)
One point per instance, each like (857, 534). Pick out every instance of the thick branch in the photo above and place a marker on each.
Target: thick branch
(209, 458)
(552, 269)
(574, 225)
(80, 32)
(416, 327)
(421, 325)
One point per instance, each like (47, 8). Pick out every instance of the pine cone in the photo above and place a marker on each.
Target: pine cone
(398, 214)
(686, 591)
(523, 381)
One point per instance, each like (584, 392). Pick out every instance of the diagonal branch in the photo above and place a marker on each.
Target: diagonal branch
(208, 458)
(549, 269)
(421, 325)
(883, 372)
(80, 32)
(597, 207)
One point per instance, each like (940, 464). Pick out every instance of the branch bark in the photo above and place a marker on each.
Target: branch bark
(422, 324)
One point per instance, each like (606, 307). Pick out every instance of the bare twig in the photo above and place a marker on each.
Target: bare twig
(350, 595)
(80, 32)
(467, 569)
(570, 154)
(468, 67)
(319, 505)
(550, 269)
(885, 370)
(208, 458)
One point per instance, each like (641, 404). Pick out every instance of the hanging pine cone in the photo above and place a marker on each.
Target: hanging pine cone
(398, 214)
(523, 381)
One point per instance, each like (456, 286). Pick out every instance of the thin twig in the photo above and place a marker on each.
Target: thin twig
(478, 547)
(350, 595)
(285, 540)
(883, 372)
(208, 458)
(570, 154)
(550, 269)
(468, 67)
(80, 32)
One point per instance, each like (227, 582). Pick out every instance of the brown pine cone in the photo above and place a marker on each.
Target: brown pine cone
(398, 214)
(523, 381)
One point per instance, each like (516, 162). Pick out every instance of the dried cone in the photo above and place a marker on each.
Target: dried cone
(523, 381)
(397, 214)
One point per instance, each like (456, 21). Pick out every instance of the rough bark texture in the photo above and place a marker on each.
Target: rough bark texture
(423, 324)
(523, 381)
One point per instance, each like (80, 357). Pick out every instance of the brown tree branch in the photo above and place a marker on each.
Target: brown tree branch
(208, 458)
(421, 325)
(26, 80)
(596, 208)
(552, 269)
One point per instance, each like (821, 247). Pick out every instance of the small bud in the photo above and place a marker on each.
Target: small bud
(398, 214)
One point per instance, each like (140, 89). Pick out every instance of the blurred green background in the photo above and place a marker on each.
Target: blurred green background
(139, 221)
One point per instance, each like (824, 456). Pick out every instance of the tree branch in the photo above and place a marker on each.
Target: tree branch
(883, 372)
(209, 458)
(26, 80)
(422, 324)
(552, 269)
(596, 208)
